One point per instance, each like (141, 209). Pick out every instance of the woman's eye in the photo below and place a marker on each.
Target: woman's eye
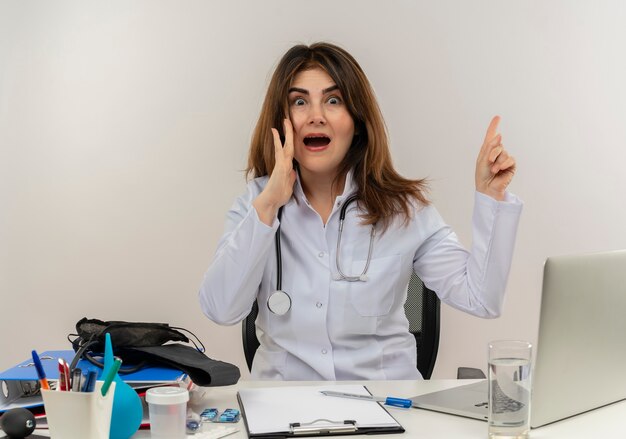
(334, 100)
(298, 101)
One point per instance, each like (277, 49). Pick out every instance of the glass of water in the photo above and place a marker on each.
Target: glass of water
(509, 389)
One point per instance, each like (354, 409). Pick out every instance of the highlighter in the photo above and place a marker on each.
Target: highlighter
(110, 376)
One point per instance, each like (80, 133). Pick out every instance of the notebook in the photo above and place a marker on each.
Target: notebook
(581, 347)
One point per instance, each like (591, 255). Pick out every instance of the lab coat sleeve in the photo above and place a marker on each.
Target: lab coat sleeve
(473, 281)
(232, 281)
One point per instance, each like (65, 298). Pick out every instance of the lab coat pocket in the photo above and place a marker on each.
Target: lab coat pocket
(374, 297)
(269, 365)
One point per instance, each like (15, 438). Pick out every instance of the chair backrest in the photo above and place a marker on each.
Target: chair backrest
(248, 334)
(422, 310)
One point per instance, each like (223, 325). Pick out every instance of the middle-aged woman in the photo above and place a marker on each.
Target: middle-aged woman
(320, 146)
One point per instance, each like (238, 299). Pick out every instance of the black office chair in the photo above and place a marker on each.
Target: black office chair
(422, 310)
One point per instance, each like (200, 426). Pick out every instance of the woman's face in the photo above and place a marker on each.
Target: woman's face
(323, 127)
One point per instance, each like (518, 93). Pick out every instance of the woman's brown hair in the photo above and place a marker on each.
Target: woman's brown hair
(382, 192)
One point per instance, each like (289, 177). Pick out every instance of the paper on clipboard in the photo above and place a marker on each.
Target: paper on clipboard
(271, 411)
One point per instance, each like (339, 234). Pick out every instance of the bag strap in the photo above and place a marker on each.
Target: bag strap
(191, 340)
(82, 351)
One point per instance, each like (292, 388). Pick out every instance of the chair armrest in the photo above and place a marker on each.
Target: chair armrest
(469, 373)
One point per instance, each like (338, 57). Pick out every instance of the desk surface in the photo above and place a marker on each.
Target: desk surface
(604, 422)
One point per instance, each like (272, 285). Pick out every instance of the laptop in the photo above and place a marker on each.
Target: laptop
(581, 347)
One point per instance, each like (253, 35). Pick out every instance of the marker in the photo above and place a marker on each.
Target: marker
(109, 378)
(64, 376)
(40, 373)
(395, 402)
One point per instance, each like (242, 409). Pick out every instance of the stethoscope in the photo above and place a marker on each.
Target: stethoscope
(279, 302)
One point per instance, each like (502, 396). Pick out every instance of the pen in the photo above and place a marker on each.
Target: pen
(109, 378)
(90, 381)
(396, 402)
(40, 373)
(77, 377)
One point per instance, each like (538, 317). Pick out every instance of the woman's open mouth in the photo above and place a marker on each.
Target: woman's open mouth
(316, 141)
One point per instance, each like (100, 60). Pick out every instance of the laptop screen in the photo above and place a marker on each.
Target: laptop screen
(581, 349)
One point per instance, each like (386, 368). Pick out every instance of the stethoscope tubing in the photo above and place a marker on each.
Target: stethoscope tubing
(342, 216)
(279, 257)
(282, 298)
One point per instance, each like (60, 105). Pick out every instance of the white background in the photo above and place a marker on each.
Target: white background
(124, 127)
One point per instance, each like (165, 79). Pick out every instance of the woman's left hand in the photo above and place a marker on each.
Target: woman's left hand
(494, 167)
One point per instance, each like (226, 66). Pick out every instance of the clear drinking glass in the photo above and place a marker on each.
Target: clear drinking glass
(509, 389)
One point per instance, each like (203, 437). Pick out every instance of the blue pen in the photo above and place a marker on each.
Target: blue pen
(42, 375)
(396, 402)
(90, 381)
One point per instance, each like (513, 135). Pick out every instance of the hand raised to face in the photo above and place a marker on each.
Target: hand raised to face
(280, 184)
(494, 166)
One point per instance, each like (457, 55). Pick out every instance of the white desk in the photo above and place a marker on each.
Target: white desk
(604, 422)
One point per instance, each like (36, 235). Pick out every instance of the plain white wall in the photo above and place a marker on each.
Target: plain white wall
(124, 127)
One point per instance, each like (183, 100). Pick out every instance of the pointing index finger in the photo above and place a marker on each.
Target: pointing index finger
(493, 129)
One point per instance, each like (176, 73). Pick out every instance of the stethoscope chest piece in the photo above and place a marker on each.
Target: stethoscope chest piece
(279, 303)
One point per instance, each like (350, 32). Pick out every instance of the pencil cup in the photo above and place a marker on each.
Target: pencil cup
(79, 415)
(168, 412)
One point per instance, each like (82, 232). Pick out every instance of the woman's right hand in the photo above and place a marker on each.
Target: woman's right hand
(280, 185)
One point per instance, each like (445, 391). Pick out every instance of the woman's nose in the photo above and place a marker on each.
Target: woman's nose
(316, 116)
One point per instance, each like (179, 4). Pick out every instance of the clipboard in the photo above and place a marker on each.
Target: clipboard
(300, 411)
